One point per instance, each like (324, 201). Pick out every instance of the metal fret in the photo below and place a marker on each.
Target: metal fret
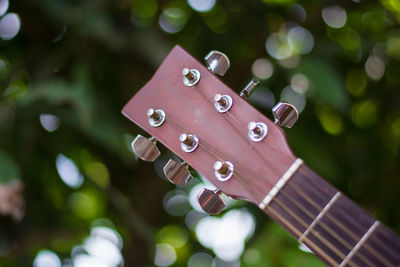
(281, 183)
(359, 244)
(320, 215)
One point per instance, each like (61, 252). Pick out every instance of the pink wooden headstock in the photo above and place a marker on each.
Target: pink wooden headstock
(222, 136)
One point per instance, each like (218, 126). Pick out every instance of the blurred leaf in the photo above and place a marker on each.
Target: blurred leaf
(9, 170)
(327, 87)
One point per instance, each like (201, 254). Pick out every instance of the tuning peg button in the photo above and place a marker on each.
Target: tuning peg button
(211, 201)
(189, 142)
(217, 62)
(156, 117)
(223, 170)
(145, 148)
(222, 103)
(285, 114)
(177, 173)
(190, 77)
(257, 131)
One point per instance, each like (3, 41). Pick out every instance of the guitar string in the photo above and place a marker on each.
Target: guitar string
(243, 183)
(304, 224)
(349, 232)
(215, 154)
(243, 137)
(241, 180)
(341, 240)
(219, 158)
(303, 209)
(323, 225)
(326, 227)
(336, 251)
(312, 245)
(179, 93)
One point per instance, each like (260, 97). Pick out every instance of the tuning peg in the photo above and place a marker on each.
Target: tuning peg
(248, 90)
(177, 173)
(190, 76)
(285, 114)
(145, 148)
(211, 201)
(217, 62)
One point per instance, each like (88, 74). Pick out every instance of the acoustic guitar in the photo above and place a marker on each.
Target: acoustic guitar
(188, 109)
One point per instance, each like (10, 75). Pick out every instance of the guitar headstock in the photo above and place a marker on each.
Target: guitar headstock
(210, 127)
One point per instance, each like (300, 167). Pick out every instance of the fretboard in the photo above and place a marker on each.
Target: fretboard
(330, 224)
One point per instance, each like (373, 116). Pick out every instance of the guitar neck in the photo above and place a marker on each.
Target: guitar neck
(329, 223)
(206, 124)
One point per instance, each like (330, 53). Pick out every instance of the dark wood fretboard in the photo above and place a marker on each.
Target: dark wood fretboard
(331, 225)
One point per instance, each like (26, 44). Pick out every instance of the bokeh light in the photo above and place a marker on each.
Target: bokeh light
(304, 248)
(165, 255)
(143, 12)
(375, 68)
(107, 233)
(172, 20)
(251, 256)
(84, 260)
(330, 120)
(226, 235)
(364, 113)
(356, 82)
(10, 25)
(68, 171)
(98, 173)
(46, 258)
(102, 248)
(193, 217)
(262, 68)
(263, 97)
(173, 235)
(200, 260)
(300, 40)
(290, 62)
(291, 39)
(49, 122)
(176, 203)
(393, 45)
(201, 5)
(299, 83)
(84, 204)
(3, 6)
(218, 262)
(277, 47)
(334, 16)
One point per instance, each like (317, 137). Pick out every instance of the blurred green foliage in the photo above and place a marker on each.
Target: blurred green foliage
(81, 61)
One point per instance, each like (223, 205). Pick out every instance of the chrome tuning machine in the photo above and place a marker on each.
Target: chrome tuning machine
(217, 62)
(285, 114)
(211, 201)
(145, 148)
(248, 90)
(177, 173)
